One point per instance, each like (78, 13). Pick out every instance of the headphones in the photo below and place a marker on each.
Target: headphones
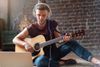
(42, 6)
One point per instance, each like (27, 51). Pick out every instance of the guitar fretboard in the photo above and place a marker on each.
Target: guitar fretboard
(51, 41)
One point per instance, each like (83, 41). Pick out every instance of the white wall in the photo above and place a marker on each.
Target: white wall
(16, 8)
(4, 9)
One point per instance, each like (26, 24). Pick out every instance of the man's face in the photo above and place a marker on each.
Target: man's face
(41, 16)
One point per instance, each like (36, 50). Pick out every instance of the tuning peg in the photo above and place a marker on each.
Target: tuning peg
(82, 32)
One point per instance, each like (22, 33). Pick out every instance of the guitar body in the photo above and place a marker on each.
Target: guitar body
(40, 39)
(32, 41)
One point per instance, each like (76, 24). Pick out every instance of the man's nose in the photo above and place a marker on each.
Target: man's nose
(41, 17)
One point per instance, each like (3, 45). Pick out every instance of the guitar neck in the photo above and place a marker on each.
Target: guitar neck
(51, 41)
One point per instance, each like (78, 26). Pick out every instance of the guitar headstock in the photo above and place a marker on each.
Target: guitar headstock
(78, 34)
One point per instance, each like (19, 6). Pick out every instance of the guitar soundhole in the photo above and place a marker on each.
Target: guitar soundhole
(37, 46)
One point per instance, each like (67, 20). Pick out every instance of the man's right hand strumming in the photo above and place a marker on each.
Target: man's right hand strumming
(28, 47)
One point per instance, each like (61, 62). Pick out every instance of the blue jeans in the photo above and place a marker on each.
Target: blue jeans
(66, 48)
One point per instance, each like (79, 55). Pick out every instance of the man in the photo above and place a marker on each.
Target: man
(48, 28)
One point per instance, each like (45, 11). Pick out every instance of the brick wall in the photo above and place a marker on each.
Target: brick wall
(73, 15)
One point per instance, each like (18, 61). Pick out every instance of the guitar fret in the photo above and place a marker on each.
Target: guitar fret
(51, 41)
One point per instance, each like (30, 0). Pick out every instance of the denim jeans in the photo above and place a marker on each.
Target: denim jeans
(66, 48)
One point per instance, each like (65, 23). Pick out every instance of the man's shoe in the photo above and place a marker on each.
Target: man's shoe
(68, 62)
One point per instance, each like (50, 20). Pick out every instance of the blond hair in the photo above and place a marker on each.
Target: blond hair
(42, 6)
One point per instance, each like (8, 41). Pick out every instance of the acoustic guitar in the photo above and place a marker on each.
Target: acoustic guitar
(39, 42)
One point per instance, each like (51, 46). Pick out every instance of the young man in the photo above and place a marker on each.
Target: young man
(48, 28)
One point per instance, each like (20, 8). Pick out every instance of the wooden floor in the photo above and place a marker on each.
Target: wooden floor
(80, 65)
(80, 62)
(77, 65)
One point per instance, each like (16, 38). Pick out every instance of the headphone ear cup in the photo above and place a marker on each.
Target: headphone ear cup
(34, 13)
(50, 14)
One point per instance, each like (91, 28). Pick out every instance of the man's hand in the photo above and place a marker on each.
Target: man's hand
(28, 47)
(66, 37)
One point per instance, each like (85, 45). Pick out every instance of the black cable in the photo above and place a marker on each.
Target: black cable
(50, 45)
